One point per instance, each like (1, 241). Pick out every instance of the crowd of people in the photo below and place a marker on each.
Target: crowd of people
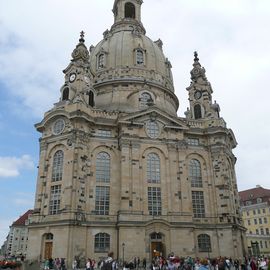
(172, 262)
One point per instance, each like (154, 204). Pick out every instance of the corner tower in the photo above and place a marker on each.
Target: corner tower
(200, 94)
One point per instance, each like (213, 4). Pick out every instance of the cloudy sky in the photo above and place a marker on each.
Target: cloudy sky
(38, 36)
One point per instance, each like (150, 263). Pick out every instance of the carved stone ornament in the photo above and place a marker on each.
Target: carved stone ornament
(80, 52)
(198, 71)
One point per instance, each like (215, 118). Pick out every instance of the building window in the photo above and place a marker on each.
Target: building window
(103, 167)
(262, 231)
(102, 242)
(152, 129)
(197, 111)
(254, 212)
(266, 244)
(139, 57)
(58, 126)
(145, 99)
(259, 200)
(198, 204)
(263, 210)
(57, 168)
(267, 231)
(193, 141)
(91, 100)
(260, 221)
(54, 206)
(49, 236)
(248, 222)
(259, 211)
(156, 236)
(65, 95)
(195, 173)
(129, 11)
(255, 221)
(257, 231)
(102, 200)
(247, 213)
(204, 243)
(261, 244)
(101, 60)
(104, 133)
(248, 202)
(154, 201)
(153, 168)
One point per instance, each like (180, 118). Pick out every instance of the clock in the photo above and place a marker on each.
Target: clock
(72, 77)
(197, 94)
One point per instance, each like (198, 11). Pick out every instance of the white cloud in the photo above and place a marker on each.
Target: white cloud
(11, 166)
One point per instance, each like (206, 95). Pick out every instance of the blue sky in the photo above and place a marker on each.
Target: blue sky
(38, 36)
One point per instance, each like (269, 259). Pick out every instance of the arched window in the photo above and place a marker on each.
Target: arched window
(57, 168)
(145, 99)
(153, 168)
(65, 94)
(204, 243)
(195, 173)
(103, 167)
(197, 111)
(101, 60)
(91, 100)
(129, 11)
(139, 57)
(155, 236)
(49, 236)
(102, 242)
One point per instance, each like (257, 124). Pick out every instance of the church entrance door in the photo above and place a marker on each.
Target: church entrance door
(157, 249)
(48, 250)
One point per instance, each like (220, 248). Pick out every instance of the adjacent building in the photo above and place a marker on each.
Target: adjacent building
(255, 208)
(17, 239)
(119, 170)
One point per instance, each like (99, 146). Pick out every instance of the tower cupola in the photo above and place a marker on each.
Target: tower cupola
(78, 79)
(127, 14)
(200, 94)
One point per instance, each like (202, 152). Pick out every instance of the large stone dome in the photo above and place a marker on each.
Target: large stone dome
(127, 64)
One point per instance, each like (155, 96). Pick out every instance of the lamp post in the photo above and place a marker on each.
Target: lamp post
(123, 250)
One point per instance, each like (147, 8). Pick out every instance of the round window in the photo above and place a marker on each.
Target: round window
(152, 129)
(58, 126)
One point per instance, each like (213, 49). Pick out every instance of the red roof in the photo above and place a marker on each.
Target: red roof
(21, 220)
(254, 193)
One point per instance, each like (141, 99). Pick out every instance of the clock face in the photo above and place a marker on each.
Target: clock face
(198, 94)
(72, 77)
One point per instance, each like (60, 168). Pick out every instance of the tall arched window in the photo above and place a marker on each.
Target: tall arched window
(91, 100)
(57, 168)
(195, 173)
(101, 60)
(204, 243)
(197, 111)
(103, 167)
(153, 168)
(102, 242)
(65, 94)
(129, 11)
(139, 57)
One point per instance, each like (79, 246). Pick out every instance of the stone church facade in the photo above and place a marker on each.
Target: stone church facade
(120, 171)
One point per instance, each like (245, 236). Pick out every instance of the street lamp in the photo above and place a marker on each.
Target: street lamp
(123, 247)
